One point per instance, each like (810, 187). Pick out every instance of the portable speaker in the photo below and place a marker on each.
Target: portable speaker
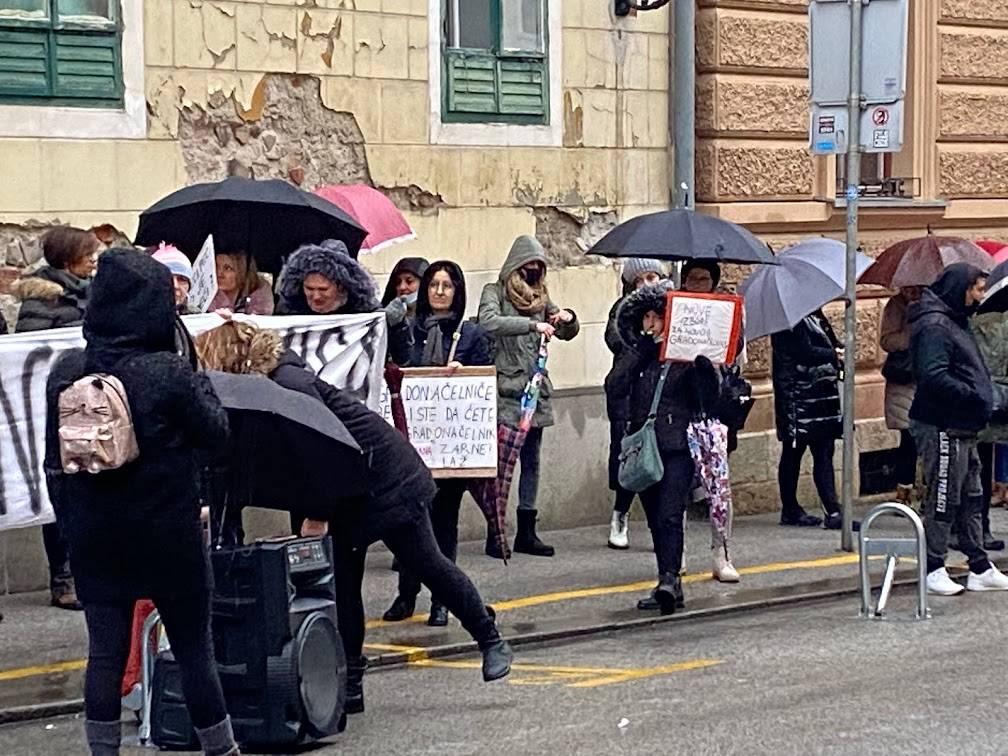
(171, 727)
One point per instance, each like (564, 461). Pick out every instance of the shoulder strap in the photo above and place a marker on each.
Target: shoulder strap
(658, 391)
(456, 337)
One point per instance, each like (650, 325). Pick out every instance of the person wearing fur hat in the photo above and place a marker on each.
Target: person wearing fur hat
(637, 273)
(56, 296)
(395, 509)
(323, 279)
(181, 270)
(637, 375)
(516, 311)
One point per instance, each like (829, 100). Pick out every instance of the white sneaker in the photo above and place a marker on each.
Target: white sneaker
(618, 530)
(940, 584)
(724, 571)
(992, 580)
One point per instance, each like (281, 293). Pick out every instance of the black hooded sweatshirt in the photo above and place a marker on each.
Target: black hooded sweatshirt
(134, 532)
(415, 265)
(954, 390)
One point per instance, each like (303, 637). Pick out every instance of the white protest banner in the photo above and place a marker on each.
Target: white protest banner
(702, 324)
(347, 351)
(204, 281)
(452, 419)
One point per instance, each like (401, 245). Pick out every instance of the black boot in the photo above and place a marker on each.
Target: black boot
(438, 615)
(526, 541)
(648, 604)
(497, 656)
(668, 592)
(355, 685)
(63, 592)
(990, 543)
(401, 609)
(493, 548)
(103, 737)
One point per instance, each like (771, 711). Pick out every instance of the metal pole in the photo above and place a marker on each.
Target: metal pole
(850, 313)
(684, 102)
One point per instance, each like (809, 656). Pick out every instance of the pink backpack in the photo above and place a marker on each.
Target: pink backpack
(95, 425)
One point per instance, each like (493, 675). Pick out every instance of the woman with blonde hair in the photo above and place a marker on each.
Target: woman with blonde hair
(240, 288)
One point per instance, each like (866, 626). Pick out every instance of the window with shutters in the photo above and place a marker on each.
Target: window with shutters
(495, 62)
(61, 52)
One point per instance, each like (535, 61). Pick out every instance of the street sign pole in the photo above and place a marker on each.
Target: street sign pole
(850, 313)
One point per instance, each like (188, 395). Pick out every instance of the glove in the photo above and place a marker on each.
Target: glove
(395, 311)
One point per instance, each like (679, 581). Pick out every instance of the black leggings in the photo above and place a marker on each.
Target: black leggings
(56, 551)
(822, 473)
(664, 504)
(187, 622)
(444, 516)
(906, 460)
(417, 550)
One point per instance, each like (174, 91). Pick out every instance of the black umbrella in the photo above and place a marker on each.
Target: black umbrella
(286, 450)
(267, 219)
(996, 299)
(683, 235)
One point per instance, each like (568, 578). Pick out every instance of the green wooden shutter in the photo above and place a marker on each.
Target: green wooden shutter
(24, 56)
(472, 83)
(87, 65)
(522, 85)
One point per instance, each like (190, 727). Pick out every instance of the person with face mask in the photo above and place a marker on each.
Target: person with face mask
(637, 273)
(953, 403)
(322, 279)
(403, 285)
(516, 311)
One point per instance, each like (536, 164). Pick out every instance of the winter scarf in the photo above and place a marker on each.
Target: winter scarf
(527, 299)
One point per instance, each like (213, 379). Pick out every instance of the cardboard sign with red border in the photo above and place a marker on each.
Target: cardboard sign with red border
(702, 324)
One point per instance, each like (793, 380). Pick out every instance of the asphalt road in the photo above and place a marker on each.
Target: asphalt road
(807, 680)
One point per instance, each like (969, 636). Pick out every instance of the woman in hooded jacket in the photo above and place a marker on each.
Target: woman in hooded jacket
(442, 337)
(323, 279)
(134, 532)
(395, 509)
(404, 283)
(641, 324)
(636, 274)
(517, 312)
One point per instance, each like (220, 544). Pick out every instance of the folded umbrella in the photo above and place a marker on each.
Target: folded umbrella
(707, 440)
(372, 210)
(809, 275)
(266, 219)
(919, 262)
(683, 235)
(286, 450)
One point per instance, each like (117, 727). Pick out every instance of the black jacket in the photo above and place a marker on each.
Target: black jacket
(50, 298)
(806, 373)
(954, 389)
(473, 346)
(617, 404)
(135, 532)
(401, 486)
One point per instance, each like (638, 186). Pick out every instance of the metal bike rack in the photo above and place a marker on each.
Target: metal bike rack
(892, 549)
(151, 627)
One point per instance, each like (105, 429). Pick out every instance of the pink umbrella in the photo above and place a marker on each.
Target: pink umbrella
(1000, 255)
(990, 247)
(372, 210)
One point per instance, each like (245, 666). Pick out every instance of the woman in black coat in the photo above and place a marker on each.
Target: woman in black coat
(806, 373)
(395, 509)
(441, 337)
(134, 532)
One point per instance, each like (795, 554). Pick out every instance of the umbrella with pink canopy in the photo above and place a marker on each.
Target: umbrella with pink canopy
(372, 210)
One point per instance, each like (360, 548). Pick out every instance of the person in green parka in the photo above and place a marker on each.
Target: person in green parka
(991, 332)
(516, 311)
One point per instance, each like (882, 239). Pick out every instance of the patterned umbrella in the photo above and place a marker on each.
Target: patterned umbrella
(708, 444)
(372, 210)
(919, 262)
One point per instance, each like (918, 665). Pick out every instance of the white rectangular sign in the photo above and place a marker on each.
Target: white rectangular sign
(204, 283)
(702, 324)
(452, 419)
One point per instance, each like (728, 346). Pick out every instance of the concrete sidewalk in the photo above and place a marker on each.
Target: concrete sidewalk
(586, 587)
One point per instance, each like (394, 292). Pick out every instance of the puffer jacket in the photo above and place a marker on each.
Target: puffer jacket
(954, 389)
(135, 532)
(50, 298)
(515, 340)
(617, 403)
(991, 333)
(894, 338)
(806, 381)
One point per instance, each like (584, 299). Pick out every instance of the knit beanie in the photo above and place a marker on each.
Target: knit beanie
(174, 260)
(635, 267)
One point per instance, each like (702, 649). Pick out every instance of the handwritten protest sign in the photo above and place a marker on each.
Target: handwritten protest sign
(452, 419)
(702, 324)
(204, 283)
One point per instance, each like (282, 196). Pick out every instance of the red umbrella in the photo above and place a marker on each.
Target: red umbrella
(919, 262)
(1000, 255)
(990, 247)
(372, 210)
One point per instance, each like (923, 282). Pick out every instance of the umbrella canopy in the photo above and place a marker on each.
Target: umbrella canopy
(285, 450)
(919, 262)
(683, 235)
(990, 246)
(809, 275)
(372, 210)
(1000, 256)
(267, 219)
(996, 299)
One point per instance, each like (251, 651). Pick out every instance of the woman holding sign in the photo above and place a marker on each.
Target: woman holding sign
(441, 338)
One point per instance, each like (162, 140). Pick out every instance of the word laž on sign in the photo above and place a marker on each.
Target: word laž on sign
(452, 419)
(702, 324)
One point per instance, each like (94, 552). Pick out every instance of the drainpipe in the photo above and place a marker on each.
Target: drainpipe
(682, 101)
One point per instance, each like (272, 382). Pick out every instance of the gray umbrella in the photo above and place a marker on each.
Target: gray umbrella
(683, 235)
(810, 274)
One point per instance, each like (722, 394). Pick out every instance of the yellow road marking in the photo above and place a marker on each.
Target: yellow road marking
(43, 669)
(644, 585)
(574, 677)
